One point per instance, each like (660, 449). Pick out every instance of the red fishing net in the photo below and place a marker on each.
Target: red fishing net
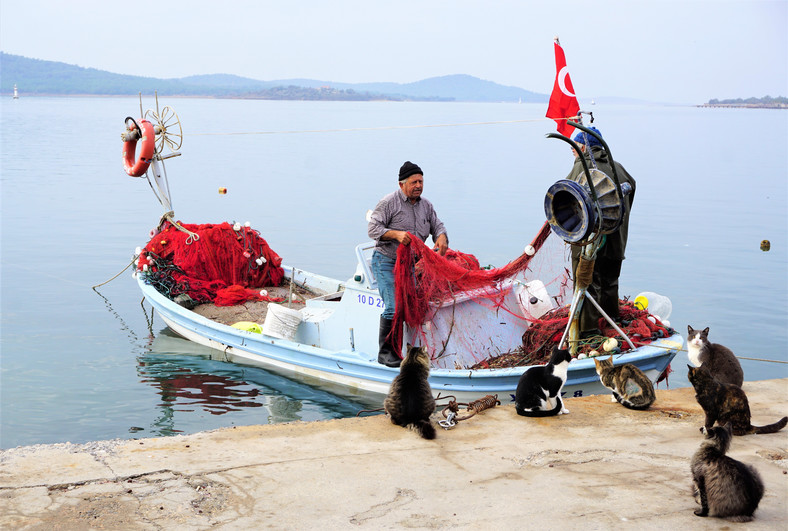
(464, 313)
(223, 264)
(469, 317)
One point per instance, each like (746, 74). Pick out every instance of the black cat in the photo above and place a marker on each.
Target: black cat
(539, 389)
(726, 403)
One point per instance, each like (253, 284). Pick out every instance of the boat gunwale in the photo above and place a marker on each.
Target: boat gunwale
(671, 344)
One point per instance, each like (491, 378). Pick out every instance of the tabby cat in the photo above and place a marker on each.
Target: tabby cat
(715, 358)
(630, 386)
(723, 486)
(726, 403)
(539, 389)
(410, 401)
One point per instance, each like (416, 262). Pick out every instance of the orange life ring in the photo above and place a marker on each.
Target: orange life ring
(138, 167)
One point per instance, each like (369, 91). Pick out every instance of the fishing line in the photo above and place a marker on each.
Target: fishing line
(746, 358)
(381, 128)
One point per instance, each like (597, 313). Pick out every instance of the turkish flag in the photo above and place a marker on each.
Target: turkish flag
(563, 103)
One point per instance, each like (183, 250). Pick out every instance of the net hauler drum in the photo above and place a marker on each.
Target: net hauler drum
(573, 213)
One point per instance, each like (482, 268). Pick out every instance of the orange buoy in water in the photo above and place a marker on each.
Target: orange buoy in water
(222, 190)
(765, 245)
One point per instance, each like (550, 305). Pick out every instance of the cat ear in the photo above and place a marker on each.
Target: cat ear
(690, 329)
(706, 330)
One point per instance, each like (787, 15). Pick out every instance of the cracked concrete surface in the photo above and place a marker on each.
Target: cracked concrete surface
(600, 467)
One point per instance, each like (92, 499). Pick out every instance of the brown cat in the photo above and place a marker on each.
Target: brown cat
(630, 386)
(715, 358)
(723, 486)
(410, 401)
(726, 403)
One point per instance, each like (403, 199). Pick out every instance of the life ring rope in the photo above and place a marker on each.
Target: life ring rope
(136, 166)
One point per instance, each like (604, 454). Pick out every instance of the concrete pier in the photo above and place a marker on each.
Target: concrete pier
(600, 467)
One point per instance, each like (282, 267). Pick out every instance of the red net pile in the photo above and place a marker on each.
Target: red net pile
(222, 265)
(538, 341)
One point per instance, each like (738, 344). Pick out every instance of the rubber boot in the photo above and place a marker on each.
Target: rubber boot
(387, 355)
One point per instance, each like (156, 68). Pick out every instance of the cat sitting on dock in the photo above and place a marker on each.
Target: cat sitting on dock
(723, 486)
(631, 387)
(726, 403)
(539, 389)
(410, 401)
(717, 359)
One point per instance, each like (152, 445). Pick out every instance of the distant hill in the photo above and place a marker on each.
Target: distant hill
(36, 76)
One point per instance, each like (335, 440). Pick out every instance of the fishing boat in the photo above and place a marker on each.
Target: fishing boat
(324, 331)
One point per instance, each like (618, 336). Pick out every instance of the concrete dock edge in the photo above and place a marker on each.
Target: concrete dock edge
(600, 467)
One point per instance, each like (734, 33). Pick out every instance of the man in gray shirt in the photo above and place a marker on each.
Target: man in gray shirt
(395, 218)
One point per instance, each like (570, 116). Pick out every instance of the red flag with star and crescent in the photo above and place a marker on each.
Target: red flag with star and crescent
(563, 103)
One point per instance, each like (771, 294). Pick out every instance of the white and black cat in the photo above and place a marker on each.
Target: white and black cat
(410, 401)
(539, 389)
(723, 486)
(715, 358)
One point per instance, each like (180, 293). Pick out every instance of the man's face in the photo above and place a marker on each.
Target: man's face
(412, 186)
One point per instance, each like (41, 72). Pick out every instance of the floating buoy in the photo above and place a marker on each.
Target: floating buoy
(222, 190)
(237, 227)
(765, 245)
(530, 251)
(610, 344)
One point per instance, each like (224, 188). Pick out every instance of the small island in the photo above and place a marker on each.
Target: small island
(767, 102)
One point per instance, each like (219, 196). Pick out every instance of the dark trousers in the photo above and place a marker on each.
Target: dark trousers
(604, 290)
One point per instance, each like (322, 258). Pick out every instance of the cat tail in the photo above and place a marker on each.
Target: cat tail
(425, 429)
(629, 405)
(771, 428)
(540, 412)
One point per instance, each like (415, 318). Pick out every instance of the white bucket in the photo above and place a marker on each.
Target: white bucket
(281, 322)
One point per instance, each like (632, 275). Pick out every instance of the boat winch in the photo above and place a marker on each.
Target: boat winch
(583, 210)
(574, 215)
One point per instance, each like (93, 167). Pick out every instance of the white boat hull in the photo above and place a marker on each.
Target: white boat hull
(345, 328)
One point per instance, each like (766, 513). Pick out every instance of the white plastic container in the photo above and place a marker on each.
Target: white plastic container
(533, 299)
(281, 322)
(656, 304)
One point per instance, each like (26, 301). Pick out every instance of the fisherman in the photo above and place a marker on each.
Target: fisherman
(397, 216)
(607, 267)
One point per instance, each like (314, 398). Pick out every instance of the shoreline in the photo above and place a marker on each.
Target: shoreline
(600, 466)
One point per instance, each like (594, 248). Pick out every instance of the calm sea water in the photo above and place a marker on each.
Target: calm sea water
(80, 365)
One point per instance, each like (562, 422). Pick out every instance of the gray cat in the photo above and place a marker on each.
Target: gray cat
(410, 402)
(717, 359)
(723, 486)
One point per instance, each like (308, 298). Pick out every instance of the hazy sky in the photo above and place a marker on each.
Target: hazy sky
(683, 51)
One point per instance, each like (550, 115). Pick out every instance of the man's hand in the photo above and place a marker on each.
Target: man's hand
(403, 237)
(441, 244)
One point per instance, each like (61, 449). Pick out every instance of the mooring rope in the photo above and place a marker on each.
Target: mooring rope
(381, 128)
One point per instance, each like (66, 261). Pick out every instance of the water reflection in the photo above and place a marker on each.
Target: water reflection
(193, 387)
